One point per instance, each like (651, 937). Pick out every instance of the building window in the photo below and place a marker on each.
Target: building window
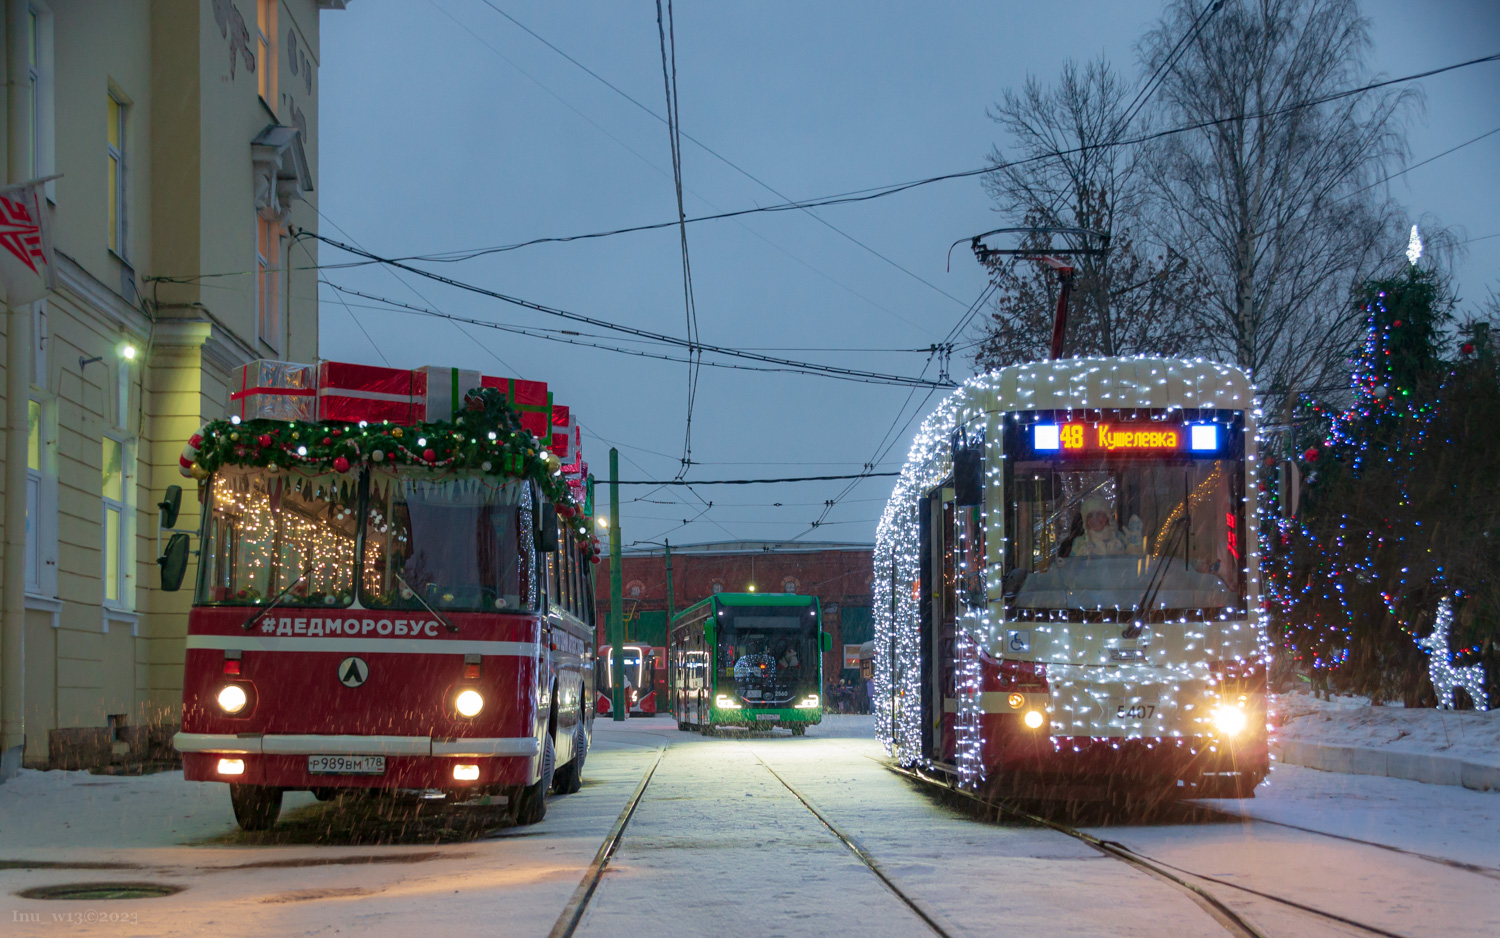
(34, 89)
(116, 152)
(33, 496)
(268, 281)
(265, 49)
(116, 546)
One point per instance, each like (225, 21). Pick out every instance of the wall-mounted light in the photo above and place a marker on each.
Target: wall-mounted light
(128, 351)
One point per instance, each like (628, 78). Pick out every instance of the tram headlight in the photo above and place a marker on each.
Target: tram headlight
(1229, 720)
(232, 698)
(231, 766)
(466, 773)
(1033, 719)
(810, 702)
(724, 702)
(468, 703)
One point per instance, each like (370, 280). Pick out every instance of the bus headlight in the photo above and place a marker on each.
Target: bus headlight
(232, 698)
(1229, 720)
(1032, 719)
(468, 703)
(231, 766)
(723, 702)
(810, 702)
(466, 773)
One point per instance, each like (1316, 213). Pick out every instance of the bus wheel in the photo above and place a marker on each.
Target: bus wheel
(256, 807)
(531, 804)
(799, 731)
(569, 778)
(707, 729)
(683, 727)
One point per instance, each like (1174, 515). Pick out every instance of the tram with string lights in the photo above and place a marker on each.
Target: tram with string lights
(394, 590)
(1067, 586)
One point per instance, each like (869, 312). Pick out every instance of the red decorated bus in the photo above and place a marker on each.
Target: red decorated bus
(385, 605)
(645, 672)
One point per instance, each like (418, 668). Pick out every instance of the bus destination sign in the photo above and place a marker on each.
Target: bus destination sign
(1094, 437)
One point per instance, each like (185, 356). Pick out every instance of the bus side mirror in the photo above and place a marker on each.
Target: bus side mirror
(170, 505)
(547, 540)
(1289, 488)
(173, 562)
(827, 640)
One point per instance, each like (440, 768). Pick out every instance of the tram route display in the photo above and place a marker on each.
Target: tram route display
(389, 606)
(1068, 588)
(747, 660)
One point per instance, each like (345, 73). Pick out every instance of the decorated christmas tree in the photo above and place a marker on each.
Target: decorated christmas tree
(1402, 506)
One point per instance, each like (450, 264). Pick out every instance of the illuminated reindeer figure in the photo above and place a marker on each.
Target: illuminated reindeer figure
(1445, 677)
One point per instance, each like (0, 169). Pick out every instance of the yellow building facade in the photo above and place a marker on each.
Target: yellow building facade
(184, 137)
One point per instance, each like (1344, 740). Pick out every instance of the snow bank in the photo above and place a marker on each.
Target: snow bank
(1469, 735)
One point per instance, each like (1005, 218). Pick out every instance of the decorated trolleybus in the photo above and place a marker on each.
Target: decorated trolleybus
(747, 660)
(394, 590)
(1067, 588)
(644, 668)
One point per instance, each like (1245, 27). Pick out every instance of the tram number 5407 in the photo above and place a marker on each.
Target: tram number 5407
(1135, 711)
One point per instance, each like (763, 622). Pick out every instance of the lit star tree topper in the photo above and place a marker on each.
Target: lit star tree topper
(1414, 246)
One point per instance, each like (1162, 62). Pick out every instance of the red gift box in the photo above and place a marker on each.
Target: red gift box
(273, 390)
(563, 433)
(529, 399)
(366, 392)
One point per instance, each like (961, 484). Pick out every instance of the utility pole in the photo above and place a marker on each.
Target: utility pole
(670, 609)
(616, 597)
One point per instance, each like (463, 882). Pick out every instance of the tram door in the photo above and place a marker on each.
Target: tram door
(938, 624)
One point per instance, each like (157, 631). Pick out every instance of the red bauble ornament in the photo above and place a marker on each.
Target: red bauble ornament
(594, 559)
(326, 441)
(429, 455)
(264, 439)
(565, 511)
(1311, 454)
(1396, 324)
(341, 464)
(338, 433)
(1467, 348)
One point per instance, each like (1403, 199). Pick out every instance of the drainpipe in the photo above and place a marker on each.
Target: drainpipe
(17, 386)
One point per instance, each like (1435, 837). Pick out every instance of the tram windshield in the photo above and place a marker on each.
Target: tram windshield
(451, 542)
(769, 653)
(269, 533)
(1103, 537)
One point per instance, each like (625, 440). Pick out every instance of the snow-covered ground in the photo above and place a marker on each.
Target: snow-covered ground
(719, 845)
(1471, 735)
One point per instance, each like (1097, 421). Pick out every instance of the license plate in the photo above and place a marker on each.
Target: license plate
(767, 716)
(346, 765)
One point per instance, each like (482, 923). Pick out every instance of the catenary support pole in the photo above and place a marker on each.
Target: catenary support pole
(17, 388)
(616, 598)
(671, 609)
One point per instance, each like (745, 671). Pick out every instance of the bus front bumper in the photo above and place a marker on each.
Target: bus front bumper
(284, 761)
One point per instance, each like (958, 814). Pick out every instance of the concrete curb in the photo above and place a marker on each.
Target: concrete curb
(1415, 766)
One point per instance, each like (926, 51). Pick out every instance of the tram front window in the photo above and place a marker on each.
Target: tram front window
(284, 534)
(769, 655)
(1100, 539)
(451, 542)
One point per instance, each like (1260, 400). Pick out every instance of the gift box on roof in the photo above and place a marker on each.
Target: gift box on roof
(530, 401)
(273, 390)
(443, 390)
(563, 429)
(367, 392)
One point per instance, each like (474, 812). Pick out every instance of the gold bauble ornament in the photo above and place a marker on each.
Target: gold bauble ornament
(198, 472)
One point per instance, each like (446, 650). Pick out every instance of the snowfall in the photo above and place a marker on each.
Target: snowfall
(720, 844)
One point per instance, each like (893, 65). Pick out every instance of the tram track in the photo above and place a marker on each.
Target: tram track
(1476, 868)
(572, 913)
(860, 853)
(1231, 920)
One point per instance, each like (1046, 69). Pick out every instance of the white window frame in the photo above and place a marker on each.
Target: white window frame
(117, 153)
(265, 49)
(125, 554)
(41, 506)
(268, 272)
(39, 73)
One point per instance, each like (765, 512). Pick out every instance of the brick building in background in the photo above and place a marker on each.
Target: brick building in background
(839, 574)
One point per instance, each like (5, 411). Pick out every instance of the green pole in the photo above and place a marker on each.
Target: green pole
(670, 611)
(616, 597)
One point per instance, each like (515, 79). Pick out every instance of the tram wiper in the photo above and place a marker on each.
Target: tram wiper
(418, 596)
(1155, 580)
(277, 601)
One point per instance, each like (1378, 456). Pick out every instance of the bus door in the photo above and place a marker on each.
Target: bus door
(938, 624)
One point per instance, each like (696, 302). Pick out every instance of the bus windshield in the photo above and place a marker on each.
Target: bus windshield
(768, 653)
(272, 532)
(452, 542)
(1118, 539)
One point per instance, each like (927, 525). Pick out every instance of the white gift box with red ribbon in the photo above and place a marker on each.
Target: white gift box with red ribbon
(273, 390)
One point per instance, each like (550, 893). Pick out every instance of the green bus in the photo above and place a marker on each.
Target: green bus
(748, 660)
